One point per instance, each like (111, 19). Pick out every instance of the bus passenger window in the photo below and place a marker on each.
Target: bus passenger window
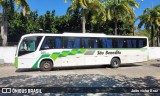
(120, 43)
(129, 43)
(58, 42)
(134, 43)
(95, 43)
(69, 43)
(76, 43)
(140, 45)
(48, 43)
(32, 46)
(109, 43)
(104, 43)
(86, 43)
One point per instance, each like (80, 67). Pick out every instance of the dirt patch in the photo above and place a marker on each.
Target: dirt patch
(4, 65)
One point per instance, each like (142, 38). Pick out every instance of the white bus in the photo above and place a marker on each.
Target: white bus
(46, 51)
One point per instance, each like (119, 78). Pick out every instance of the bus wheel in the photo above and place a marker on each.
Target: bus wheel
(46, 65)
(115, 63)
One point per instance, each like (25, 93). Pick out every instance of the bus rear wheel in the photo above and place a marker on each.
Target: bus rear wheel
(46, 65)
(115, 63)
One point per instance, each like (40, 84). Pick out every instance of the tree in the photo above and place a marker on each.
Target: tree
(18, 25)
(117, 10)
(86, 6)
(31, 23)
(47, 22)
(62, 23)
(143, 32)
(5, 10)
(151, 21)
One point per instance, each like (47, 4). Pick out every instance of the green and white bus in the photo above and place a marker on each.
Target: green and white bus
(46, 51)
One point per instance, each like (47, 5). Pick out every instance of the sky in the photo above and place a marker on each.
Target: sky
(42, 6)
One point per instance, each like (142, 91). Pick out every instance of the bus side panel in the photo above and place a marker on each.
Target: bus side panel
(133, 55)
(27, 61)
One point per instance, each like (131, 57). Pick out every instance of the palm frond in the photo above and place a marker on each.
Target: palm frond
(25, 6)
(157, 7)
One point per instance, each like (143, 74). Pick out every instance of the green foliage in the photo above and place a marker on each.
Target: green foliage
(47, 22)
(142, 33)
(31, 23)
(120, 10)
(94, 8)
(150, 19)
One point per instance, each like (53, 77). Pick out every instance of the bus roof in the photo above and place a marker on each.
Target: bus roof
(81, 35)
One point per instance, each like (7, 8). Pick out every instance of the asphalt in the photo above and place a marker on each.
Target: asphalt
(138, 75)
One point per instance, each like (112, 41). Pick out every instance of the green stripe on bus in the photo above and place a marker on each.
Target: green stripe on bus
(42, 56)
(81, 50)
(16, 62)
(64, 53)
(73, 52)
(55, 55)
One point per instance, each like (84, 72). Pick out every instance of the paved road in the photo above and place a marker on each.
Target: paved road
(146, 74)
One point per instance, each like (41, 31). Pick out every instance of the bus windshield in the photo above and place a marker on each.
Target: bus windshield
(29, 44)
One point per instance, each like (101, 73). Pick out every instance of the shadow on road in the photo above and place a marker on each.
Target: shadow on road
(86, 80)
(156, 65)
(77, 68)
(27, 70)
(130, 65)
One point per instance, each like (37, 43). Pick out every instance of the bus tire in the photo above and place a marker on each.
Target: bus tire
(46, 65)
(115, 62)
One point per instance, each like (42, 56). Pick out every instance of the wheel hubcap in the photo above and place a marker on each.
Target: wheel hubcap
(115, 63)
(46, 65)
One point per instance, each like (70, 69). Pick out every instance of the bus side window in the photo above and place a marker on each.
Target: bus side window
(100, 43)
(32, 46)
(109, 42)
(129, 43)
(120, 43)
(104, 43)
(58, 42)
(134, 43)
(76, 42)
(48, 43)
(142, 43)
(90, 42)
(114, 43)
(69, 43)
(95, 43)
(86, 43)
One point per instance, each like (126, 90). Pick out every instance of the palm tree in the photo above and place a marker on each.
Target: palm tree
(120, 9)
(86, 6)
(5, 8)
(151, 21)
